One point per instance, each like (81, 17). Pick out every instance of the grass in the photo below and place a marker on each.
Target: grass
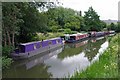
(107, 66)
(41, 36)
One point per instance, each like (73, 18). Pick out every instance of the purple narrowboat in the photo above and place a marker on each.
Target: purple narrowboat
(30, 49)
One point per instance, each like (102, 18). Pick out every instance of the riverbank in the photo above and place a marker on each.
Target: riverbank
(42, 36)
(107, 66)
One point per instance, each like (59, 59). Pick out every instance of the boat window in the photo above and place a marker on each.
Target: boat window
(50, 42)
(19, 48)
(57, 41)
(35, 47)
(40, 44)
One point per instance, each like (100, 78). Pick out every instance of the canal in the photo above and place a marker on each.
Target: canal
(60, 62)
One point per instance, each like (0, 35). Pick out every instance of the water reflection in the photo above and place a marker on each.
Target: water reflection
(32, 67)
(61, 68)
(72, 49)
(59, 62)
(104, 46)
(93, 47)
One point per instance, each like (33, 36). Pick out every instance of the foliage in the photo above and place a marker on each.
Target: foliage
(41, 36)
(113, 26)
(67, 31)
(118, 27)
(33, 22)
(74, 32)
(6, 62)
(92, 21)
(43, 5)
(21, 21)
(54, 28)
(7, 50)
(63, 18)
(11, 19)
(73, 23)
(103, 25)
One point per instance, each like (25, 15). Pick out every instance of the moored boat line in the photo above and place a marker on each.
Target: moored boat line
(30, 49)
(76, 37)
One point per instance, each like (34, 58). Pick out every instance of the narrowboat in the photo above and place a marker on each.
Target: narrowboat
(107, 32)
(77, 37)
(96, 34)
(99, 34)
(111, 32)
(65, 37)
(30, 49)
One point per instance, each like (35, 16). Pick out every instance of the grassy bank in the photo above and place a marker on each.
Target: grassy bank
(107, 66)
(49, 35)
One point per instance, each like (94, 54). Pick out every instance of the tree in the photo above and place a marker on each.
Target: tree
(118, 27)
(21, 21)
(54, 28)
(46, 5)
(113, 26)
(11, 19)
(103, 24)
(73, 23)
(63, 18)
(92, 21)
(33, 22)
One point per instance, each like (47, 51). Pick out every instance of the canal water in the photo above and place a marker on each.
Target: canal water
(60, 62)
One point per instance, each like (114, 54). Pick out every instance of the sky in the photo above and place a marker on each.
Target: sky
(106, 9)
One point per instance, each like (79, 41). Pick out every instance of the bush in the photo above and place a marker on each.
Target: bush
(74, 32)
(54, 28)
(60, 30)
(7, 50)
(67, 31)
(6, 62)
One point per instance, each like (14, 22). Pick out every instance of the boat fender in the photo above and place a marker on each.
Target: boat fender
(28, 53)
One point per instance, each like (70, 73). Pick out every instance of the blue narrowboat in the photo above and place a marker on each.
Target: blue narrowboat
(30, 49)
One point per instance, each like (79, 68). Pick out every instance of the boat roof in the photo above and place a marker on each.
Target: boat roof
(29, 43)
(38, 41)
(77, 34)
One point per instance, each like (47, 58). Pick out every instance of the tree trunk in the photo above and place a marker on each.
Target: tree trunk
(13, 39)
(5, 40)
(9, 41)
